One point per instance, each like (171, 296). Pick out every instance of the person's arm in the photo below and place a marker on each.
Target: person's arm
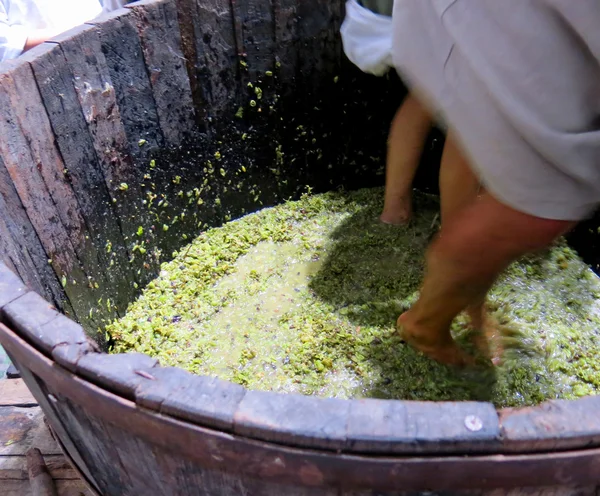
(38, 37)
(12, 38)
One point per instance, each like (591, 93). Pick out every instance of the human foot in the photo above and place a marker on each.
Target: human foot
(397, 212)
(444, 351)
(487, 336)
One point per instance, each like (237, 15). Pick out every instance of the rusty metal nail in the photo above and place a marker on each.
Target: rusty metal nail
(145, 375)
(473, 423)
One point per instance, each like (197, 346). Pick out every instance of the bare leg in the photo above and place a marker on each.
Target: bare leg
(462, 264)
(459, 188)
(458, 184)
(407, 136)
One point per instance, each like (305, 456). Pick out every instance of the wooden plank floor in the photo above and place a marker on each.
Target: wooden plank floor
(22, 427)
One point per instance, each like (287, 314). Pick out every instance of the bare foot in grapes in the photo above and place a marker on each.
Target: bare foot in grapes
(487, 337)
(444, 351)
(397, 212)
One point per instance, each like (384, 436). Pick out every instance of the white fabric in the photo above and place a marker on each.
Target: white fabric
(367, 38)
(110, 5)
(18, 18)
(519, 82)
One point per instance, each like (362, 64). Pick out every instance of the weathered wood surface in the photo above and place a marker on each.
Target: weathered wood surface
(293, 419)
(255, 35)
(217, 65)
(396, 427)
(23, 428)
(40, 480)
(65, 487)
(41, 323)
(14, 392)
(107, 429)
(20, 430)
(11, 287)
(49, 406)
(553, 425)
(21, 247)
(205, 400)
(97, 94)
(124, 57)
(56, 84)
(36, 170)
(121, 373)
(158, 29)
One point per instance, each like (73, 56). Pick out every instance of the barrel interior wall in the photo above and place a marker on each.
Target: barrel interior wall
(126, 137)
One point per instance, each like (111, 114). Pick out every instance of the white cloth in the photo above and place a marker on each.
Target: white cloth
(519, 83)
(367, 38)
(110, 5)
(18, 18)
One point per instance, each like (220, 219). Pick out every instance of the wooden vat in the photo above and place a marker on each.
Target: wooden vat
(107, 133)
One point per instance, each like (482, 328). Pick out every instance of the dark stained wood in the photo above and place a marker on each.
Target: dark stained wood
(553, 425)
(36, 170)
(122, 50)
(121, 373)
(55, 82)
(293, 419)
(286, 49)
(11, 287)
(573, 490)
(48, 403)
(24, 250)
(158, 29)
(113, 426)
(69, 354)
(204, 400)
(255, 36)
(98, 99)
(39, 476)
(187, 18)
(41, 323)
(381, 426)
(217, 64)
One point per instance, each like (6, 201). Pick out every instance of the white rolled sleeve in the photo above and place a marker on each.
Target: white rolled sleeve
(12, 37)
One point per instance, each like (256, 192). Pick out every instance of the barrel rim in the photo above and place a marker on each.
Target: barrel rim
(223, 451)
(396, 434)
(358, 426)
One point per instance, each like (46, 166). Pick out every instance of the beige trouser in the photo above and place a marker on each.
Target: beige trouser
(519, 83)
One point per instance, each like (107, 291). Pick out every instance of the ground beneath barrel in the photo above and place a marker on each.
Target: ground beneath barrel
(303, 298)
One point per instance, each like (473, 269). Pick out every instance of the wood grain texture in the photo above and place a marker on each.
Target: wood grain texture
(41, 323)
(217, 64)
(204, 400)
(14, 392)
(98, 97)
(158, 29)
(36, 170)
(380, 426)
(292, 419)
(23, 488)
(121, 373)
(22, 247)
(553, 425)
(255, 36)
(55, 82)
(103, 424)
(122, 49)
(48, 404)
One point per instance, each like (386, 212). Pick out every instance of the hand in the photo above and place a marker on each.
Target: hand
(39, 36)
